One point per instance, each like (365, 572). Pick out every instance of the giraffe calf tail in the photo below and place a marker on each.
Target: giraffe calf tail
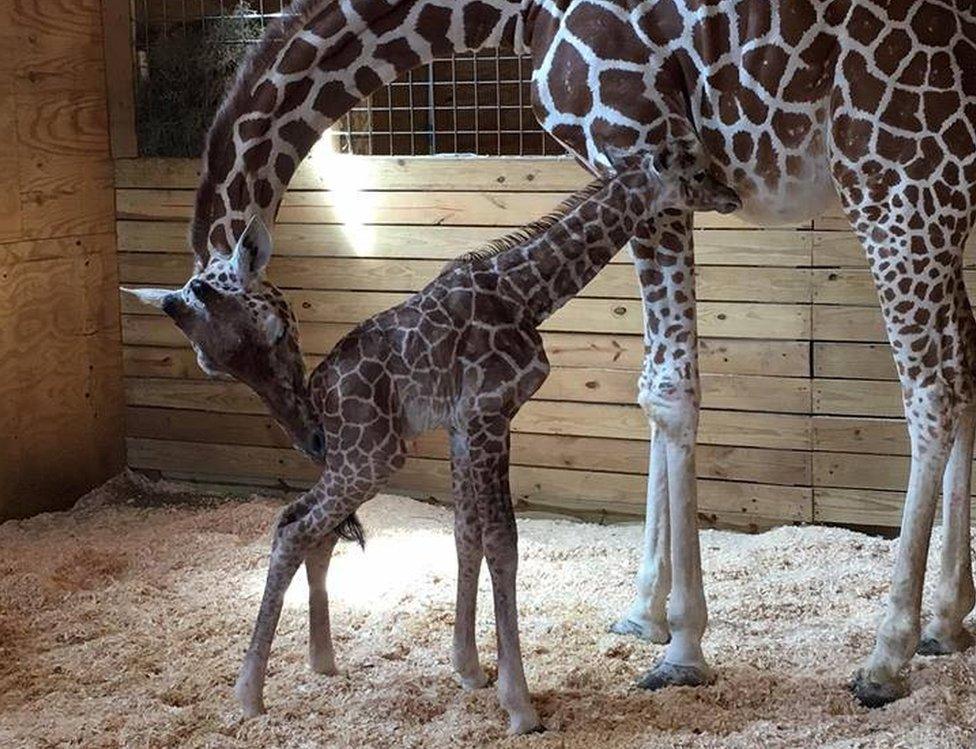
(351, 529)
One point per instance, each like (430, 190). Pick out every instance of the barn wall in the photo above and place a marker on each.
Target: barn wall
(60, 363)
(801, 410)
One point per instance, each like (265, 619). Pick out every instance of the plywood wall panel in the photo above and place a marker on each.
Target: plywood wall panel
(60, 365)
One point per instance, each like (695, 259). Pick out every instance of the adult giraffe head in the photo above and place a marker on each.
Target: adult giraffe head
(239, 325)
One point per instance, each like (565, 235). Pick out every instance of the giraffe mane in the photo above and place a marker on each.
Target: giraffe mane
(263, 54)
(528, 232)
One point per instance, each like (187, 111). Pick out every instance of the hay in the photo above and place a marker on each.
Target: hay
(123, 622)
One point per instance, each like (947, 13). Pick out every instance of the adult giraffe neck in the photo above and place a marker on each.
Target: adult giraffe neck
(311, 69)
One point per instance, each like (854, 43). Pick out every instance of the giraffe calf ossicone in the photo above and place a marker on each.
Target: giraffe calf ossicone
(463, 353)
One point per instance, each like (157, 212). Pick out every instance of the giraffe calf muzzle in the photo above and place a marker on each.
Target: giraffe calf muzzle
(708, 194)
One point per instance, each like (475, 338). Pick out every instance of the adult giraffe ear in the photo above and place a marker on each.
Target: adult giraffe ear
(253, 250)
(150, 297)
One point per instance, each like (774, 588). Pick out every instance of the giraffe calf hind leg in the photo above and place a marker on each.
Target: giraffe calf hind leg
(467, 539)
(321, 654)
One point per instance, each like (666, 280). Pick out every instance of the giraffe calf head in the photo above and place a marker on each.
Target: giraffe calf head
(240, 326)
(681, 171)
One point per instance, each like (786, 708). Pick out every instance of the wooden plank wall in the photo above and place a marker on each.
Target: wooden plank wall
(787, 319)
(60, 358)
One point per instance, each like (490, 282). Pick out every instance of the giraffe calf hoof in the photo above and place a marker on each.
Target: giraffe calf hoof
(874, 694)
(251, 701)
(666, 674)
(324, 667)
(651, 631)
(945, 644)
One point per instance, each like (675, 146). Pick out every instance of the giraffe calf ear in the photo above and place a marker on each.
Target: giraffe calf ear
(253, 250)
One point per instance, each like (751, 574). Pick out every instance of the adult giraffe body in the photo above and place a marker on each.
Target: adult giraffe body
(791, 101)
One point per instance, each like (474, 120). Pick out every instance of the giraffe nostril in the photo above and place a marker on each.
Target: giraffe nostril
(316, 445)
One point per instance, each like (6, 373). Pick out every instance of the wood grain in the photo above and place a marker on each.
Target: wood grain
(117, 25)
(60, 358)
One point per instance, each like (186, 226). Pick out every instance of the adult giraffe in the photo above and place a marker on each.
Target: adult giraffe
(792, 101)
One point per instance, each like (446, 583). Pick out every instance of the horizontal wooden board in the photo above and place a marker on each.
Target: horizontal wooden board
(863, 507)
(613, 421)
(789, 285)
(784, 467)
(860, 435)
(856, 471)
(854, 287)
(333, 171)
(719, 501)
(750, 247)
(358, 198)
(846, 323)
(715, 319)
(717, 355)
(865, 361)
(857, 506)
(780, 431)
(841, 249)
(732, 392)
(365, 208)
(857, 398)
(792, 393)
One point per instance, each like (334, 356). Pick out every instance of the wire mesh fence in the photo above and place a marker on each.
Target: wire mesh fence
(186, 52)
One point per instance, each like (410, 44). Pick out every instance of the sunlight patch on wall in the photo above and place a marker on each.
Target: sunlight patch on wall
(348, 178)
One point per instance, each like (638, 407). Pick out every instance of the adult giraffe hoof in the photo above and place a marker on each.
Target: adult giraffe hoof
(651, 631)
(945, 644)
(877, 694)
(525, 723)
(666, 674)
(476, 680)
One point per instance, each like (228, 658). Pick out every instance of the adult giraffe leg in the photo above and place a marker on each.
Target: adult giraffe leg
(669, 393)
(954, 595)
(914, 245)
(647, 615)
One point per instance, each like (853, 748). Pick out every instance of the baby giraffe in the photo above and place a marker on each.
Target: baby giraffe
(463, 353)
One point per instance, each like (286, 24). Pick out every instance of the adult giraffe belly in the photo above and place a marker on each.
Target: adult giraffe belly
(751, 83)
(778, 186)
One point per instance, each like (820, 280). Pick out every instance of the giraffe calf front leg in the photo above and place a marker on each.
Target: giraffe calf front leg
(501, 550)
